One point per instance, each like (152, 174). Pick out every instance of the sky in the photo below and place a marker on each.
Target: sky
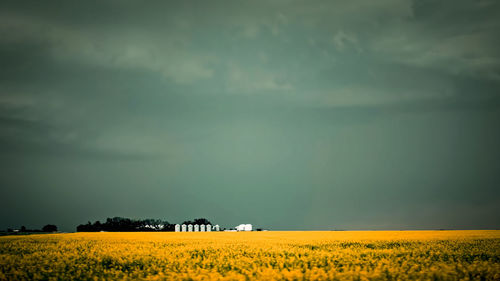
(289, 115)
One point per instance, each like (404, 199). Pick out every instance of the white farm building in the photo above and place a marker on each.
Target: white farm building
(244, 227)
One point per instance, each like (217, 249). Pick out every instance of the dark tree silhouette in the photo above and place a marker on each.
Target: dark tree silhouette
(49, 228)
(198, 221)
(201, 221)
(125, 224)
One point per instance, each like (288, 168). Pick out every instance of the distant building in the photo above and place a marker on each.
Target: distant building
(202, 228)
(216, 227)
(244, 227)
(184, 228)
(196, 228)
(155, 226)
(209, 228)
(177, 228)
(190, 228)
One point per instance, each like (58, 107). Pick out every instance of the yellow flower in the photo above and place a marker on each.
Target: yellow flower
(356, 255)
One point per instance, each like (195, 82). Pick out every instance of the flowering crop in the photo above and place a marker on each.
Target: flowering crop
(301, 255)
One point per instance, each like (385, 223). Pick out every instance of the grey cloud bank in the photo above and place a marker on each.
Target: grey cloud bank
(288, 115)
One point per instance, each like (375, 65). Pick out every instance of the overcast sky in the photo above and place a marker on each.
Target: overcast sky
(286, 115)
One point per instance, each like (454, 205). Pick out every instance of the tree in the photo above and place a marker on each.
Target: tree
(201, 221)
(49, 228)
(85, 228)
(126, 224)
(197, 221)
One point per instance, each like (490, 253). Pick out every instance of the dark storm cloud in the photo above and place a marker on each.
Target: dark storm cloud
(285, 114)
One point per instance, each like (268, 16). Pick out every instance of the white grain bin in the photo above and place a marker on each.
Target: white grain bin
(202, 228)
(216, 227)
(184, 228)
(177, 228)
(196, 228)
(190, 228)
(209, 228)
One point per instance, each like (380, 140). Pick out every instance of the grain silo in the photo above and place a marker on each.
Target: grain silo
(190, 228)
(202, 228)
(184, 228)
(177, 227)
(196, 228)
(209, 228)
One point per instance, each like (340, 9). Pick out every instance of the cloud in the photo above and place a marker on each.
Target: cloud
(134, 49)
(254, 80)
(464, 54)
(251, 31)
(342, 40)
(202, 45)
(459, 39)
(24, 137)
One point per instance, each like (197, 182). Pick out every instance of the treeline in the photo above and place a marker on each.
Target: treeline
(23, 229)
(126, 224)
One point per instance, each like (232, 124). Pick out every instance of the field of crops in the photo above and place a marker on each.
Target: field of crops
(335, 255)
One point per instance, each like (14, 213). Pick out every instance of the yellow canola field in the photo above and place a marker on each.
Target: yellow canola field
(293, 255)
